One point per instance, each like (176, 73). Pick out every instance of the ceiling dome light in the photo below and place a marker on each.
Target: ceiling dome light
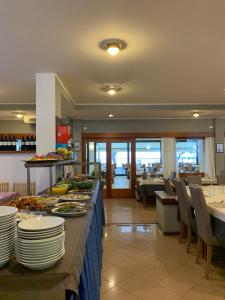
(196, 115)
(111, 88)
(19, 116)
(112, 46)
(113, 49)
(111, 115)
(111, 92)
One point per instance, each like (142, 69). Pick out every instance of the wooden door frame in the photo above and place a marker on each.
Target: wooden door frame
(109, 192)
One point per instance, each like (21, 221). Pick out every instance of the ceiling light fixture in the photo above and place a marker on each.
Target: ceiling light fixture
(111, 115)
(111, 92)
(19, 116)
(111, 88)
(196, 115)
(112, 46)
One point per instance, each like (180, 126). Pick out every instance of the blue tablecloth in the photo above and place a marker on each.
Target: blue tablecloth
(90, 278)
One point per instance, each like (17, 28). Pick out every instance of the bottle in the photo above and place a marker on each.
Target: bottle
(6, 145)
(27, 143)
(22, 144)
(10, 146)
(34, 143)
(1, 143)
(14, 143)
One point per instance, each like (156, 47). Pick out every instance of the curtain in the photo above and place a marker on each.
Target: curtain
(209, 165)
(168, 155)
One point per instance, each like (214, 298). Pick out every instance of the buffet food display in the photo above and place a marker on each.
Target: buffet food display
(37, 241)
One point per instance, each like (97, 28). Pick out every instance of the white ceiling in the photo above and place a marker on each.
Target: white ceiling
(175, 54)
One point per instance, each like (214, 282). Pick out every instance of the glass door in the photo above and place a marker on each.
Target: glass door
(122, 180)
(116, 165)
(96, 152)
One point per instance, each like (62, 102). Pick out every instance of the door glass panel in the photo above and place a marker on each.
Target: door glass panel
(120, 165)
(96, 152)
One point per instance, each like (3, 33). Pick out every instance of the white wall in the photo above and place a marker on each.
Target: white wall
(12, 168)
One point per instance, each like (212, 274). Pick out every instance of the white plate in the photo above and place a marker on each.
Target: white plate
(37, 233)
(40, 259)
(41, 266)
(40, 252)
(38, 247)
(7, 211)
(69, 214)
(4, 262)
(41, 224)
(5, 221)
(7, 255)
(40, 241)
(8, 225)
(39, 262)
(74, 198)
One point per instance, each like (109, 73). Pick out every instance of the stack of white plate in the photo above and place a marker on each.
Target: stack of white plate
(40, 242)
(7, 233)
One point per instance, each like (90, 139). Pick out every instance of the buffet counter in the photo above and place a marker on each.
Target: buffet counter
(76, 276)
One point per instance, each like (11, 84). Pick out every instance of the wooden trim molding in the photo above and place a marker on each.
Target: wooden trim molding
(124, 136)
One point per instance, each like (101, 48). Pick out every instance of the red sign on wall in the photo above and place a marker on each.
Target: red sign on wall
(62, 134)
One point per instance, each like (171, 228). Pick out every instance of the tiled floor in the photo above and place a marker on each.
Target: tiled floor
(128, 211)
(139, 263)
(121, 182)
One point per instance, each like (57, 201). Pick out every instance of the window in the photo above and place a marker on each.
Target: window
(189, 155)
(148, 155)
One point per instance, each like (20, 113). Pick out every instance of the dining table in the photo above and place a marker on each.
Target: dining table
(215, 200)
(77, 275)
(146, 187)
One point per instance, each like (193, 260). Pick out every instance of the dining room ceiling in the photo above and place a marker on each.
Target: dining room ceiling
(174, 55)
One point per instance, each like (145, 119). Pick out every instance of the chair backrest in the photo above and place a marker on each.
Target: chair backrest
(184, 201)
(21, 188)
(204, 226)
(220, 179)
(194, 180)
(222, 172)
(172, 175)
(168, 187)
(4, 187)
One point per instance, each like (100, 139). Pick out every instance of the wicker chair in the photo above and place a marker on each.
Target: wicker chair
(4, 187)
(21, 188)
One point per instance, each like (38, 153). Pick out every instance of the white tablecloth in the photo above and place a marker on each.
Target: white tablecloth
(209, 180)
(215, 197)
(150, 181)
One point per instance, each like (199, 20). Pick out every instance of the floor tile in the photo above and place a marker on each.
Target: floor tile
(117, 293)
(135, 285)
(115, 274)
(202, 293)
(140, 263)
(158, 293)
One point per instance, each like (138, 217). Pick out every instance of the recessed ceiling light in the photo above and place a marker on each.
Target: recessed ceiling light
(196, 115)
(19, 116)
(210, 127)
(112, 46)
(111, 115)
(111, 88)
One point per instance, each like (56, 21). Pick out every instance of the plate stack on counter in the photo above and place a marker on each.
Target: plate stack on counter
(7, 233)
(40, 242)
